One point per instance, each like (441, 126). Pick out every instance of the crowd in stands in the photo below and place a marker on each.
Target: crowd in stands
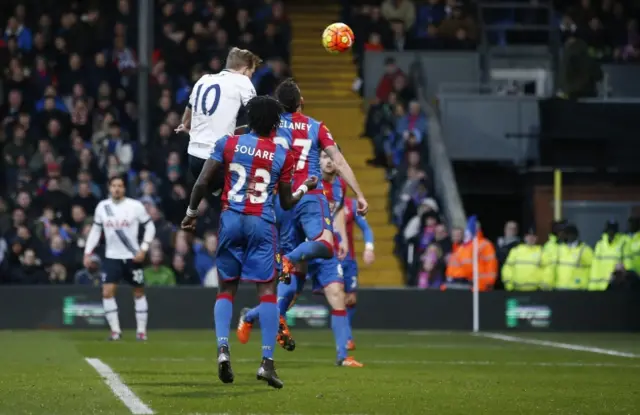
(433, 254)
(608, 28)
(69, 121)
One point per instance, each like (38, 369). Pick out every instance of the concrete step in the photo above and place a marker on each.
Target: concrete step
(329, 75)
(376, 277)
(319, 57)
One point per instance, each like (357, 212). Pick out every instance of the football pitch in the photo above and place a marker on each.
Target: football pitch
(72, 372)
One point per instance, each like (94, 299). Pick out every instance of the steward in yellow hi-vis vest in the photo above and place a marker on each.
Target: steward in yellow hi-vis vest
(632, 247)
(609, 257)
(573, 263)
(550, 254)
(522, 271)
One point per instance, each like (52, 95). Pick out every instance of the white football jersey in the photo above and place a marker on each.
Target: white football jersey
(120, 223)
(215, 101)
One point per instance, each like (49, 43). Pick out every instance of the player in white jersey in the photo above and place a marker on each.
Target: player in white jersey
(120, 217)
(213, 107)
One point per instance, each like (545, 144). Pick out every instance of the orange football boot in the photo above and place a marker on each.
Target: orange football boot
(350, 362)
(244, 328)
(351, 345)
(284, 339)
(287, 270)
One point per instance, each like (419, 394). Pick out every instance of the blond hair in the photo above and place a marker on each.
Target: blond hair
(239, 58)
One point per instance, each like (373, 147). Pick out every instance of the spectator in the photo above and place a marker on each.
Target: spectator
(579, 73)
(374, 43)
(19, 32)
(507, 242)
(59, 254)
(205, 254)
(459, 270)
(84, 198)
(385, 86)
(403, 10)
(184, 274)
(458, 30)
(157, 273)
(29, 270)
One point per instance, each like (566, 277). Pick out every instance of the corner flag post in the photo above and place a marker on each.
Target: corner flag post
(476, 291)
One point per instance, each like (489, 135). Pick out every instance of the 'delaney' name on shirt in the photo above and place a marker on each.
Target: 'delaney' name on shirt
(295, 125)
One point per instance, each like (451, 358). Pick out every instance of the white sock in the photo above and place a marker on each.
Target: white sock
(111, 314)
(142, 314)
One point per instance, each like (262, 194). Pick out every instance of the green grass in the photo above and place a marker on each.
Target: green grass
(406, 373)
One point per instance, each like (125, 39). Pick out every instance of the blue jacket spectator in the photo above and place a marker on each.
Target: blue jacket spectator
(60, 106)
(205, 255)
(92, 275)
(413, 120)
(21, 33)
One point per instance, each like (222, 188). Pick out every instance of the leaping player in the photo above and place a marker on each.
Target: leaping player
(213, 107)
(120, 217)
(247, 238)
(309, 227)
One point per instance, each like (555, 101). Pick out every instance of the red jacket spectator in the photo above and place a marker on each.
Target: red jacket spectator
(391, 72)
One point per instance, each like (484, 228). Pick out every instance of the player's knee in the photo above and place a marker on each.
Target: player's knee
(228, 287)
(335, 296)
(268, 288)
(108, 290)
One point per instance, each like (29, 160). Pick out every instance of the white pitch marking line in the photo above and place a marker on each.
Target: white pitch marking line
(558, 345)
(118, 387)
(413, 362)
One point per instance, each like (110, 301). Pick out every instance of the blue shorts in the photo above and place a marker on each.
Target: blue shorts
(247, 248)
(312, 216)
(116, 270)
(324, 272)
(350, 273)
(287, 235)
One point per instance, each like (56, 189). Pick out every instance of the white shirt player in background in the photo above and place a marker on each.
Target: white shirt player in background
(214, 104)
(119, 217)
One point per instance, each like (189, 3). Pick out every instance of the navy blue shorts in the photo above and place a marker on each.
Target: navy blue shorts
(195, 167)
(247, 248)
(116, 270)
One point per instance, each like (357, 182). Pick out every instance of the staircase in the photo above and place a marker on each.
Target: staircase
(325, 81)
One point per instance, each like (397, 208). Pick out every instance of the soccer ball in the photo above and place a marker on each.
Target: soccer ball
(337, 38)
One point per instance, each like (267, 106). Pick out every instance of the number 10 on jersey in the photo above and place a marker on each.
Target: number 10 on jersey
(202, 104)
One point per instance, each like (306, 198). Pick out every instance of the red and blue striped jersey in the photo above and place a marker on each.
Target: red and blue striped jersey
(335, 192)
(351, 217)
(253, 167)
(305, 138)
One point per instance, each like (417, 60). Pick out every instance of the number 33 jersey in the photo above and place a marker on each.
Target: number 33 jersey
(253, 167)
(305, 138)
(215, 101)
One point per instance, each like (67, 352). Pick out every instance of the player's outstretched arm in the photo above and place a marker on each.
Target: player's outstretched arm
(289, 199)
(200, 189)
(367, 234)
(186, 121)
(347, 174)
